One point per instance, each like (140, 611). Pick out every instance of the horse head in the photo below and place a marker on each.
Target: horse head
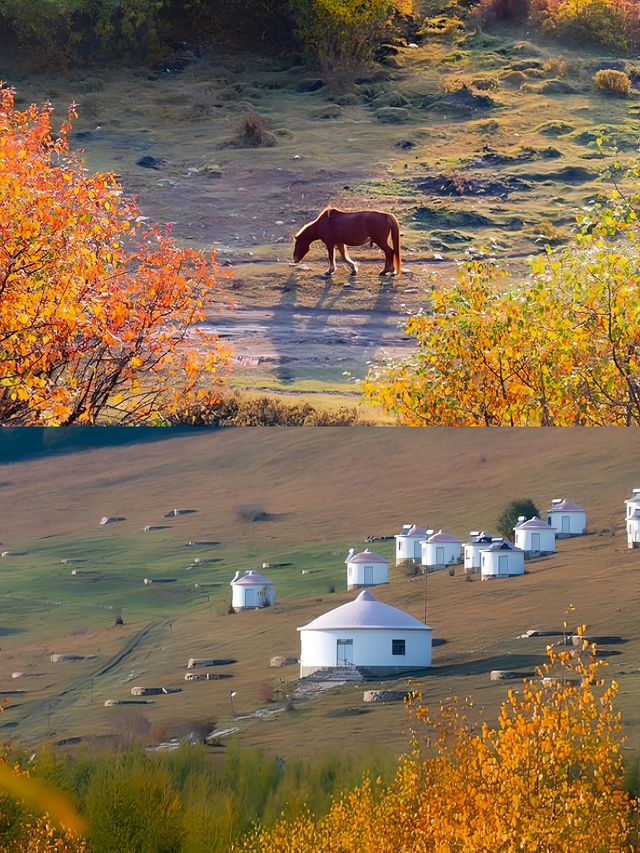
(300, 247)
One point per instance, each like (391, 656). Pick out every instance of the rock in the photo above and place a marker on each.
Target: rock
(555, 128)
(386, 695)
(111, 519)
(607, 65)
(558, 87)
(282, 660)
(391, 115)
(513, 79)
(405, 144)
(505, 674)
(148, 162)
(347, 100)
(391, 99)
(149, 581)
(330, 111)
(310, 85)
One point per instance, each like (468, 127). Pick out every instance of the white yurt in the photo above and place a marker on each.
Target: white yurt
(367, 634)
(568, 519)
(440, 549)
(366, 569)
(408, 542)
(501, 559)
(252, 590)
(478, 539)
(534, 536)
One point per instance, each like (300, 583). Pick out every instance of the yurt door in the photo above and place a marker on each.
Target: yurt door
(344, 655)
(439, 555)
(503, 564)
(535, 541)
(368, 575)
(565, 524)
(250, 598)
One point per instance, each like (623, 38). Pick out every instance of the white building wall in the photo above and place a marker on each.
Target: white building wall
(372, 647)
(525, 538)
(408, 547)
(568, 523)
(490, 566)
(366, 574)
(246, 596)
(472, 555)
(450, 553)
(633, 532)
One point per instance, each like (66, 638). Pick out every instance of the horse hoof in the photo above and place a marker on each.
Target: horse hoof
(353, 272)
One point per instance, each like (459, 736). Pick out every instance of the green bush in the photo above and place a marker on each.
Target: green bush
(510, 514)
(341, 34)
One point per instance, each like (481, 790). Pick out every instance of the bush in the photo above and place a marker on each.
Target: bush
(511, 513)
(253, 132)
(613, 82)
(238, 410)
(341, 34)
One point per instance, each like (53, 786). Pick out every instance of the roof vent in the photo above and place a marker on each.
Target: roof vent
(556, 501)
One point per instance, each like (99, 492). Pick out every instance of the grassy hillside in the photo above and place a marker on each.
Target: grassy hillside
(324, 490)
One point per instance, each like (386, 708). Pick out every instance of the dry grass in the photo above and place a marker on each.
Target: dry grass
(326, 489)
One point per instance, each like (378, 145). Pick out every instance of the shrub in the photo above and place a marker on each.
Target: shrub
(253, 132)
(511, 513)
(239, 410)
(613, 82)
(341, 34)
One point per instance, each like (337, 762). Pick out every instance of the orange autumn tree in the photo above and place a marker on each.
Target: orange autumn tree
(97, 308)
(547, 778)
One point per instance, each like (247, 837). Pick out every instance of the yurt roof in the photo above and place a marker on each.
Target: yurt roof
(565, 506)
(534, 523)
(252, 577)
(414, 530)
(443, 536)
(368, 556)
(480, 538)
(365, 612)
(503, 545)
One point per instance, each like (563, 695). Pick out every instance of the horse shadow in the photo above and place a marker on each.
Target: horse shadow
(320, 321)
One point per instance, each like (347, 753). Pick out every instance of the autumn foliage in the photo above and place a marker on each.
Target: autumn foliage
(546, 778)
(97, 308)
(611, 23)
(560, 348)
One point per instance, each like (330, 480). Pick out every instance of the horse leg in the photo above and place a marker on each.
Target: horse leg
(345, 255)
(388, 258)
(331, 251)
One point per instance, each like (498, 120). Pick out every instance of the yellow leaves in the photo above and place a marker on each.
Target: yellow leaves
(547, 778)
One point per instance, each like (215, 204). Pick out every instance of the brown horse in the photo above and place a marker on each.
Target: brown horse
(340, 228)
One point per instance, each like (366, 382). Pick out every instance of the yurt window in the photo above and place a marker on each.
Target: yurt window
(398, 647)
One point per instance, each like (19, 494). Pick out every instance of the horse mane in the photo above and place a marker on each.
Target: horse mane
(326, 212)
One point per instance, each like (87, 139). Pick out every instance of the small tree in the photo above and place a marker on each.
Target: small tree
(510, 514)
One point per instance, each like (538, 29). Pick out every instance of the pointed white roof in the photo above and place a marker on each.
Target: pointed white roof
(365, 612)
(534, 523)
(565, 506)
(443, 536)
(414, 530)
(253, 577)
(367, 556)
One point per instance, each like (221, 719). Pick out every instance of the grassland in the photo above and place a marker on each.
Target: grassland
(325, 490)
(492, 147)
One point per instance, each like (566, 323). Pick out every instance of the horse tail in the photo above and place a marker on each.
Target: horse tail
(395, 240)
